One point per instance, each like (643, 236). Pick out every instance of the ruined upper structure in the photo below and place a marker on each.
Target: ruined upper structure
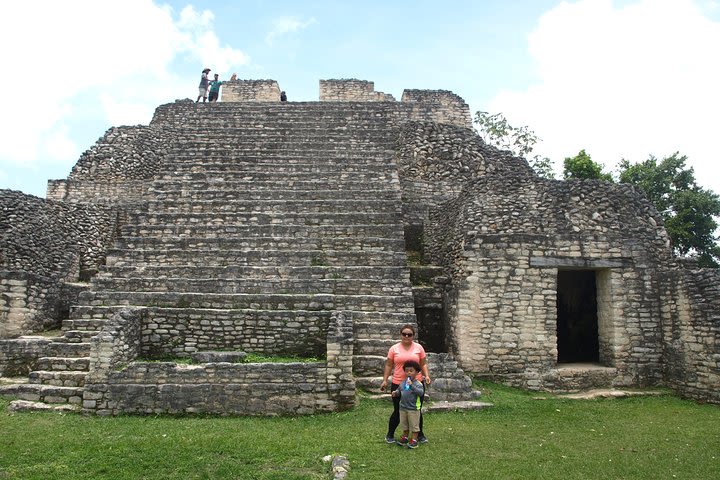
(319, 229)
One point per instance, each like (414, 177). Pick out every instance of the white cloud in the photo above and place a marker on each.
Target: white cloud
(77, 56)
(623, 82)
(284, 25)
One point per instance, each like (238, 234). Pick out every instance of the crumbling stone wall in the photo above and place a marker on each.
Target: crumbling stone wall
(691, 329)
(53, 239)
(435, 161)
(250, 91)
(442, 105)
(117, 169)
(117, 383)
(45, 246)
(351, 90)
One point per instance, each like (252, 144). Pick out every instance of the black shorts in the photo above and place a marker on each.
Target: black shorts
(213, 96)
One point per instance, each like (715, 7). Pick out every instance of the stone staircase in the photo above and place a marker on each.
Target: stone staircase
(267, 214)
(59, 377)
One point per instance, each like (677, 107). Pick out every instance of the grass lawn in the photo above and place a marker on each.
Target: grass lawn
(525, 436)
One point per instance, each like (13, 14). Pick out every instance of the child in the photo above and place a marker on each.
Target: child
(410, 392)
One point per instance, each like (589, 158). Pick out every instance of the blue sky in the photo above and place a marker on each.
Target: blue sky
(621, 79)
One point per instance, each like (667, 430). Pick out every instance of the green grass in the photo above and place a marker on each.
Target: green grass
(525, 436)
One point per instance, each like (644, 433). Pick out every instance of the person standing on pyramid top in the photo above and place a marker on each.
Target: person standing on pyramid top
(215, 89)
(202, 88)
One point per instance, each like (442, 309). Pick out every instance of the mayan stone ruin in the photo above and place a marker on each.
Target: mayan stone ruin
(315, 230)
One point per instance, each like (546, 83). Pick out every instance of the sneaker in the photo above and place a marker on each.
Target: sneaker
(403, 441)
(412, 444)
(389, 439)
(423, 439)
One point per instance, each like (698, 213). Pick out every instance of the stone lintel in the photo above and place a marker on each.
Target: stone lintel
(573, 262)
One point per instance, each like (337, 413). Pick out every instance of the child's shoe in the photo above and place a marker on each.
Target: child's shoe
(412, 444)
(403, 441)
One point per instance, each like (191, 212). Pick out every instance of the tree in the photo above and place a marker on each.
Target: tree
(582, 166)
(495, 130)
(689, 211)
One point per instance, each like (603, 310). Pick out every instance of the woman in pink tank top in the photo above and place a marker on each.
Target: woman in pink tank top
(406, 349)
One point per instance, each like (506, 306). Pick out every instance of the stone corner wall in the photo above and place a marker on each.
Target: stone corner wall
(691, 330)
(351, 90)
(441, 106)
(250, 91)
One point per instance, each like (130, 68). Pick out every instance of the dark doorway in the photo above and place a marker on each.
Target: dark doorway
(577, 320)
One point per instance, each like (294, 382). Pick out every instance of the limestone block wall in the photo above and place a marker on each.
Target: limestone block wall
(116, 169)
(53, 239)
(436, 161)
(20, 356)
(691, 329)
(505, 239)
(250, 91)
(193, 330)
(119, 384)
(351, 90)
(442, 106)
(45, 246)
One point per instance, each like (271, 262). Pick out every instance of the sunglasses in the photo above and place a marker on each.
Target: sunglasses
(407, 334)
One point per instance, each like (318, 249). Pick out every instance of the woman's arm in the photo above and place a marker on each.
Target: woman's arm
(425, 371)
(386, 374)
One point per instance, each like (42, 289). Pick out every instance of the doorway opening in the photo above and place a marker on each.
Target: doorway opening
(577, 317)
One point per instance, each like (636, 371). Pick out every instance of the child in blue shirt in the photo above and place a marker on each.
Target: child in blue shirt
(410, 392)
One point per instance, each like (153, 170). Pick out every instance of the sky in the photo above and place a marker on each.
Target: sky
(620, 79)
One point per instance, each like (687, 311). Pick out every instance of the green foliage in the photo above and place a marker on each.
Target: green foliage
(525, 435)
(581, 166)
(495, 130)
(689, 211)
(259, 358)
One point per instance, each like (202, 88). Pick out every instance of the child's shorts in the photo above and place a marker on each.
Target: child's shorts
(410, 420)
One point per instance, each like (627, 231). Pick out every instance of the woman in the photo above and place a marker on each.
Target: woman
(401, 352)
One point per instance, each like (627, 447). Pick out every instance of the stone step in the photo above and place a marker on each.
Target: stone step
(211, 158)
(63, 364)
(262, 207)
(255, 272)
(393, 230)
(190, 192)
(250, 301)
(75, 336)
(91, 324)
(321, 147)
(381, 329)
(64, 349)
(27, 406)
(370, 383)
(372, 176)
(238, 242)
(370, 257)
(373, 346)
(44, 393)
(59, 379)
(374, 154)
(183, 319)
(354, 187)
(338, 286)
(369, 365)
(317, 165)
(277, 218)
